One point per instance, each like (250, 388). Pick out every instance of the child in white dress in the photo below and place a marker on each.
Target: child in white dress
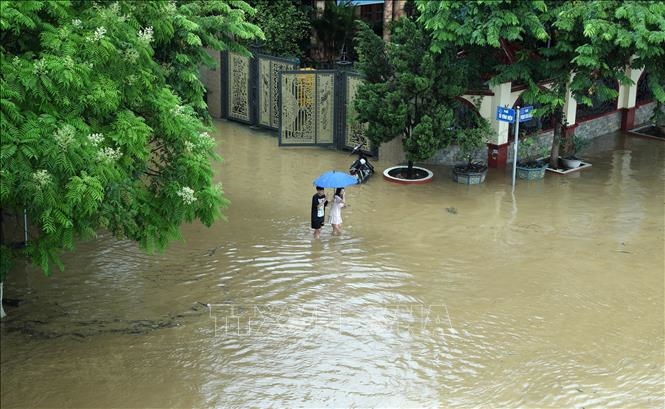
(336, 210)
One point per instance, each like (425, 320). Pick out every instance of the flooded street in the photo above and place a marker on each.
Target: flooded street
(438, 295)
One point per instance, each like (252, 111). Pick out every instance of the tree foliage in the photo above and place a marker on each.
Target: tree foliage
(335, 29)
(471, 140)
(103, 121)
(285, 24)
(409, 91)
(570, 44)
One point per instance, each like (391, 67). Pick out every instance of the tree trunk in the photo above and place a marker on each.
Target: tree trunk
(316, 47)
(399, 9)
(2, 226)
(2, 310)
(387, 19)
(409, 170)
(558, 131)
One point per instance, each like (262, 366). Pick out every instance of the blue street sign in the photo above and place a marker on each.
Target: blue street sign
(505, 114)
(526, 114)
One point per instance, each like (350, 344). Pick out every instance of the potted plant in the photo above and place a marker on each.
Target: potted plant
(471, 142)
(531, 159)
(570, 147)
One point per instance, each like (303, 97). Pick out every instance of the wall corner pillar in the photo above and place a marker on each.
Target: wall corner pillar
(497, 150)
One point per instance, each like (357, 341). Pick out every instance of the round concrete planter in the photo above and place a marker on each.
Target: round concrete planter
(395, 175)
(468, 178)
(531, 173)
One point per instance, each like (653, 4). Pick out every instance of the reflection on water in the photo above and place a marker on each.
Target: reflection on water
(435, 295)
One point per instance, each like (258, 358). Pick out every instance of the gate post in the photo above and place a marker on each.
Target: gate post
(254, 89)
(223, 71)
(340, 109)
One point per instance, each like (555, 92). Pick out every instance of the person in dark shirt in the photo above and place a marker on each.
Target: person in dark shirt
(319, 203)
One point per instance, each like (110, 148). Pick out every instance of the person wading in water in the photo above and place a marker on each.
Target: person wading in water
(319, 203)
(336, 210)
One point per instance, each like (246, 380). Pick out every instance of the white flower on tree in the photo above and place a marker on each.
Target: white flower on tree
(206, 141)
(40, 67)
(178, 110)
(99, 34)
(145, 35)
(109, 154)
(41, 177)
(187, 195)
(96, 138)
(65, 135)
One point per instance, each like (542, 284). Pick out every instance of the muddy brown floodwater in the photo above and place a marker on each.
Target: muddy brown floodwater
(438, 295)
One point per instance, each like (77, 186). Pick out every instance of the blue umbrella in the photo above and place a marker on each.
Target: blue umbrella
(335, 179)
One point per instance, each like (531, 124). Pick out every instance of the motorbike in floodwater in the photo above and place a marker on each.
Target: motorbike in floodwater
(361, 168)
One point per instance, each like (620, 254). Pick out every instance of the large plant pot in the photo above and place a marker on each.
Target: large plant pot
(533, 172)
(571, 163)
(469, 177)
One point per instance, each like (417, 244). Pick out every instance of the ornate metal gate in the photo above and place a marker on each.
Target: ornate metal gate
(354, 132)
(268, 68)
(238, 91)
(307, 107)
(251, 87)
(307, 101)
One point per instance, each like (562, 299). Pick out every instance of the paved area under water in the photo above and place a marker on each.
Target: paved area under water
(439, 295)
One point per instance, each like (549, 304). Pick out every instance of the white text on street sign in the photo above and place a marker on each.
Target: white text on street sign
(505, 114)
(526, 114)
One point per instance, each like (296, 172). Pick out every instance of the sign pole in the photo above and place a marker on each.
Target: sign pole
(517, 141)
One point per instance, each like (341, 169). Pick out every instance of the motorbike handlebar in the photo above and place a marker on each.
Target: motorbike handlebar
(357, 148)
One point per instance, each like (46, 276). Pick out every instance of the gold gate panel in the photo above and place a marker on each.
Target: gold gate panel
(307, 108)
(268, 73)
(265, 81)
(297, 126)
(325, 91)
(238, 80)
(355, 131)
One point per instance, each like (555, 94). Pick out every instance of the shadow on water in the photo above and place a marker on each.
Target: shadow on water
(434, 295)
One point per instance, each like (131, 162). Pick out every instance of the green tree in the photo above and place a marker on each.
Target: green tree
(471, 140)
(285, 24)
(408, 92)
(570, 44)
(334, 29)
(184, 29)
(103, 121)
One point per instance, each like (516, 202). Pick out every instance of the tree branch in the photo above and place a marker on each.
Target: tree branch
(157, 148)
(151, 172)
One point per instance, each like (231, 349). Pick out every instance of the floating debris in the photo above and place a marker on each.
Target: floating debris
(451, 210)
(212, 251)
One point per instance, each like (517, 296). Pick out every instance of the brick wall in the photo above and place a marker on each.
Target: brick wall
(589, 129)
